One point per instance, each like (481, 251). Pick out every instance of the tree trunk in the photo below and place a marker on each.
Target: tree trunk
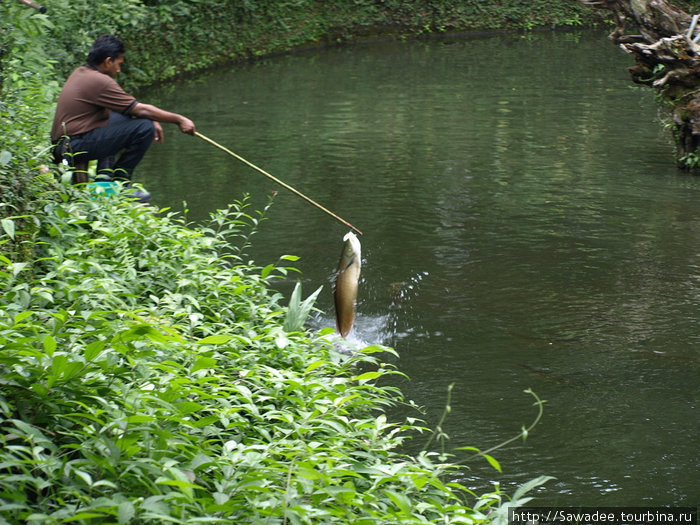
(667, 58)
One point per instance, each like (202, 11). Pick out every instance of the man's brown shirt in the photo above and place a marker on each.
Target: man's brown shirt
(86, 100)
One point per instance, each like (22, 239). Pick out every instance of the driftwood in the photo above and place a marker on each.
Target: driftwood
(665, 42)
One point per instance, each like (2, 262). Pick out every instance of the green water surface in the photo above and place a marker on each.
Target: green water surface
(524, 227)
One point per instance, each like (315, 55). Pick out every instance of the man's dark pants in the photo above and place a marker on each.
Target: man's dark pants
(132, 135)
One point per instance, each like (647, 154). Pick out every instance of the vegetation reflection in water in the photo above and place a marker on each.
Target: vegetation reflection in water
(524, 228)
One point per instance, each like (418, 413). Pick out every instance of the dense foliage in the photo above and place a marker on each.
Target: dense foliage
(147, 377)
(166, 38)
(28, 88)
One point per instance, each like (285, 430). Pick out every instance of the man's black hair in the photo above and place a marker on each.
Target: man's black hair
(105, 46)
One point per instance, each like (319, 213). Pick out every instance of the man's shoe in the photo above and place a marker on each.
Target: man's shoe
(136, 194)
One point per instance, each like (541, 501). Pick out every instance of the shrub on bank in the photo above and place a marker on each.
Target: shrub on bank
(147, 378)
(28, 88)
(172, 37)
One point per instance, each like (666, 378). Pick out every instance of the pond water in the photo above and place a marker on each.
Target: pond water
(524, 227)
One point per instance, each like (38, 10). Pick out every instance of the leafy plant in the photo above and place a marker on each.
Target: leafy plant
(298, 311)
(148, 377)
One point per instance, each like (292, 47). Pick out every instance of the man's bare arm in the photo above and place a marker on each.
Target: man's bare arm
(160, 115)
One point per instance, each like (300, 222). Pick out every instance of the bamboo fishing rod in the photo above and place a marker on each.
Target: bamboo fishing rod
(283, 184)
(33, 5)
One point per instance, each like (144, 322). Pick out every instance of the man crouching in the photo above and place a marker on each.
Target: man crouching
(96, 119)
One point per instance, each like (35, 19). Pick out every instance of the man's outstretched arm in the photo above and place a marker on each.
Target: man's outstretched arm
(160, 115)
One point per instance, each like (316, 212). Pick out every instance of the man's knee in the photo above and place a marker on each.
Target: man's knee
(145, 128)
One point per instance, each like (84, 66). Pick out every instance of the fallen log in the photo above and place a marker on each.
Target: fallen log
(665, 43)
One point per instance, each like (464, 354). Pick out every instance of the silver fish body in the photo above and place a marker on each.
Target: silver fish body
(346, 283)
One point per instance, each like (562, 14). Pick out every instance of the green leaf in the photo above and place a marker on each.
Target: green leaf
(58, 364)
(85, 476)
(281, 341)
(217, 339)
(528, 486)
(5, 157)
(9, 226)
(189, 407)
(125, 512)
(40, 389)
(104, 483)
(177, 483)
(49, 345)
(201, 460)
(21, 316)
(367, 376)
(140, 418)
(204, 363)
(18, 267)
(266, 271)
(205, 421)
(83, 516)
(314, 365)
(93, 349)
(402, 501)
(73, 369)
(492, 461)
(34, 432)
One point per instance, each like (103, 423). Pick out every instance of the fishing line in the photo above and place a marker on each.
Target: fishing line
(214, 143)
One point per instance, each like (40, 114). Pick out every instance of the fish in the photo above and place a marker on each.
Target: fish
(346, 280)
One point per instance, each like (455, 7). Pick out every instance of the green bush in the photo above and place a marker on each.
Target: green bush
(28, 88)
(147, 377)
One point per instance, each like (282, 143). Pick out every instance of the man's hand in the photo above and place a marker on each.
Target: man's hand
(160, 115)
(187, 126)
(159, 131)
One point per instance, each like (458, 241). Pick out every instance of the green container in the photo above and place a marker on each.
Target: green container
(105, 188)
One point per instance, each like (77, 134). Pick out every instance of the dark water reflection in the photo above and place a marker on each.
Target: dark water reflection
(523, 225)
